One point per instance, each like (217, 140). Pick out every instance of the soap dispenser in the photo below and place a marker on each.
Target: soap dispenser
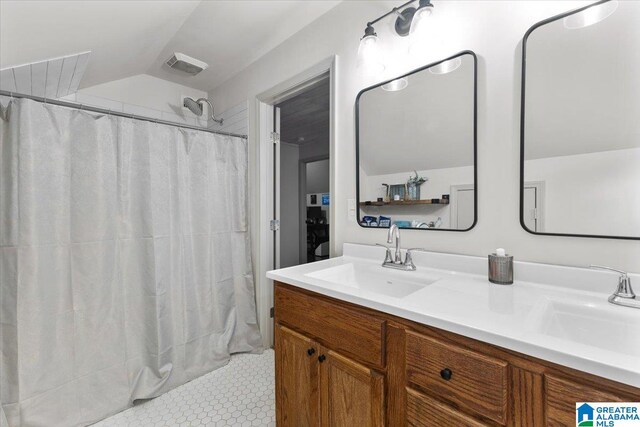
(501, 267)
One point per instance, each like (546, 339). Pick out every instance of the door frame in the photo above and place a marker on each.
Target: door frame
(540, 195)
(453, 203)
(263, 182)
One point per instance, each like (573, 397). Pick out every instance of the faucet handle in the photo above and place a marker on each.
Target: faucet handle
(387, 257)
(417, 250)
(603, 267)
(624, 282)
(408, 259)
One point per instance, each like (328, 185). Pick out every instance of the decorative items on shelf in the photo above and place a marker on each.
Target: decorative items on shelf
(397, 192)
(398, 202)
(385, 222)
(413, 186)
(407, 191)
(387, 194)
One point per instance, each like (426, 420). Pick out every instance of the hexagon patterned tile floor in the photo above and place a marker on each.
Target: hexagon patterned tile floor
(239, 394)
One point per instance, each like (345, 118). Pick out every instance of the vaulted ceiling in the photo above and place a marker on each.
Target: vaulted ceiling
(136, 37)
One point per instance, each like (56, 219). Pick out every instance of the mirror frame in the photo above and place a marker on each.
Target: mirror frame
(475, 139)
(522, 127)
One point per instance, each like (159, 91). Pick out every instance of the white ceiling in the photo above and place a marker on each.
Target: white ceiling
(582, 86)
(136, 37)
(304, 118)
(427, 125)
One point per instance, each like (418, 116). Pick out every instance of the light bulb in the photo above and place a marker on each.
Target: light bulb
(419, 29)
(446, 66)
(369, 56)
(395, 85)
(420, 19)
(590, 16)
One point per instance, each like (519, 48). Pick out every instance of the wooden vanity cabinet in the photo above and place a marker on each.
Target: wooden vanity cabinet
(339, 364)
(297, 379)
(350, 394)
(316, 386)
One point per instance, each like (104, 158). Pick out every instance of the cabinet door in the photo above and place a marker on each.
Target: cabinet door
(351, 394)
(297, 394)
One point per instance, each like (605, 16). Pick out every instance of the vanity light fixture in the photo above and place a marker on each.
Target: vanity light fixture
(592, 15)
(395, 85)
(420, 17)
(368, 52)
(408, 20)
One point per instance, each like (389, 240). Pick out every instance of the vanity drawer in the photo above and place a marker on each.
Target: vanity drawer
(470, 380)
(561, 398)
(422, 411)
(341, 328)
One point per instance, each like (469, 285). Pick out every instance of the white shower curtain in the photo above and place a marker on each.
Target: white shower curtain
(125, 261)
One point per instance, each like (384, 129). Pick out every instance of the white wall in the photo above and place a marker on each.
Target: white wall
(318, 176)
(143, 95)
(594, 193)
(494, 30)
(234, 119)
(150, 96)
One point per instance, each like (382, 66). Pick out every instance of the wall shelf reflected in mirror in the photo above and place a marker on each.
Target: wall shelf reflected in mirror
(405, 203)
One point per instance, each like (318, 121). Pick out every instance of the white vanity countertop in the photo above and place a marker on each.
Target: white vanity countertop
(555, 313)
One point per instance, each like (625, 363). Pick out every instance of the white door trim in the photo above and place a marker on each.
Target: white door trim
(276, 174)
(263, 182)
(453, 203)
(540, 196)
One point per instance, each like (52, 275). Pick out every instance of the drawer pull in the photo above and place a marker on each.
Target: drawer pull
(311, 351)
(322, 358)
(446, 374)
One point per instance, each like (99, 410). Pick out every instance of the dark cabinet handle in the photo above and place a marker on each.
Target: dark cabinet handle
(446, 374)
(322, 358)
(311, 351)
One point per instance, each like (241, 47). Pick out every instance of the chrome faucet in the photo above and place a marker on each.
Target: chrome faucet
(394, 232)
(396, 261)
(624, 294)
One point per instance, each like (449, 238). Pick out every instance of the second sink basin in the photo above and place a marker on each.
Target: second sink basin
(375, 278)
(617, 329)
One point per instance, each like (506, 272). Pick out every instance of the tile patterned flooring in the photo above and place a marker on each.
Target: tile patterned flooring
(241, 394)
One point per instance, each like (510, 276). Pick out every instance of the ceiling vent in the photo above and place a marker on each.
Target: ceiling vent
(180, 61)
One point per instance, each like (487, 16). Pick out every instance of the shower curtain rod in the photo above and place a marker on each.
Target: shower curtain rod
(114, 113)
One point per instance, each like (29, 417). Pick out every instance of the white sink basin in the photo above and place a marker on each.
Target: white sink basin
(610, 328)
(375, 278)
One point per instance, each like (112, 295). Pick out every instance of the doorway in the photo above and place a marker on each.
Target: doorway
(266, 151)
(302, 168)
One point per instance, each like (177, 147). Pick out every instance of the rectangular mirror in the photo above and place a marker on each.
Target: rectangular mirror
(416, 148)
(580, 123)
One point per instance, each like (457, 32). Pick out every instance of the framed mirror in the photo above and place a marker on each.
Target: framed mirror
(416, 148)
(580, 123)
